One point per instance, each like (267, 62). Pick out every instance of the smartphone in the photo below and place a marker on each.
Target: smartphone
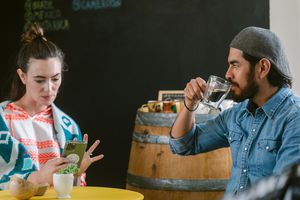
(74, 151)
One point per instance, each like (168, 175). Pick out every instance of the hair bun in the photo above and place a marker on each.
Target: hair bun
(34, 32)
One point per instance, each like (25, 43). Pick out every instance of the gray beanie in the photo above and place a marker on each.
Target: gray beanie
(262, 43)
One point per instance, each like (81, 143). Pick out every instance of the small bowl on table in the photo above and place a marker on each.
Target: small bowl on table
(21, 188)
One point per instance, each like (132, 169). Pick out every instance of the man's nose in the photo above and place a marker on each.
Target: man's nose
(228, 74)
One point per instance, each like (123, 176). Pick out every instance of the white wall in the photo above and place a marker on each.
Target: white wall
(285, 22)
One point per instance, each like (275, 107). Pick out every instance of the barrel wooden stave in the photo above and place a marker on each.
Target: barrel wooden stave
(151, 160)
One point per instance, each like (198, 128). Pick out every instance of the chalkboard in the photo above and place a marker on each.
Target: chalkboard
(120, 53)
(50, 15)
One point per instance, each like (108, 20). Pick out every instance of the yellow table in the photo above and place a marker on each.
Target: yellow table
(85, 193)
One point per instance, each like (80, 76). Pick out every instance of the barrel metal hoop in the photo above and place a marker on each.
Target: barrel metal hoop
(148, 138)
(164, 119)
(177, 184)
(155, 119)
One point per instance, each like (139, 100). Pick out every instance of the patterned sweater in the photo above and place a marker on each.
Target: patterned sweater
(15, 158)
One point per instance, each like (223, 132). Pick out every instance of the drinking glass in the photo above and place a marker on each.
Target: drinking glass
(216, 91)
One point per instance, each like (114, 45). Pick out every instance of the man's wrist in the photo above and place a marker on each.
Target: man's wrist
(190, 107)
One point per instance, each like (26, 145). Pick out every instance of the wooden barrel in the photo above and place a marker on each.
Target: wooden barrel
(159, 174)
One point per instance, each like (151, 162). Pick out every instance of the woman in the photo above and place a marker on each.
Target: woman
(33, 131)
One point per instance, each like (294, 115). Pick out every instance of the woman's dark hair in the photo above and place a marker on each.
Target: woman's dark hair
(33, 45)
(274, 77)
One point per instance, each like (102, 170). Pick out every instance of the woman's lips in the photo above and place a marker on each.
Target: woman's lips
(47, 97)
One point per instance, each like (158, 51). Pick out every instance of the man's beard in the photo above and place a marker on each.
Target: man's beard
(249, 91)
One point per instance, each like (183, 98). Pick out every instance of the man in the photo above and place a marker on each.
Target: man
(263, 130)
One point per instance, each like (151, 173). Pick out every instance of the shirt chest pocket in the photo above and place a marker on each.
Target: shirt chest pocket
(268, 145)
(266, 155)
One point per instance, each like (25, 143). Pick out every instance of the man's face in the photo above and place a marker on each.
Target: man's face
(242, 76)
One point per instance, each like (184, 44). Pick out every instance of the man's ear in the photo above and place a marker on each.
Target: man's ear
(22, 75)
(264, 67)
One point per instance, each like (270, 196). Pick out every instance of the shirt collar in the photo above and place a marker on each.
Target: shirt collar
(272, 104)
(276, 100)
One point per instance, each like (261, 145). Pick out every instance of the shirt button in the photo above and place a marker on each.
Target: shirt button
(267, 147)
(244, 170)
(241, 187)
(254, 130)
(246, 149)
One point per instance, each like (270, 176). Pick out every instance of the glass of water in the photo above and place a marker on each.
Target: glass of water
(216, 91)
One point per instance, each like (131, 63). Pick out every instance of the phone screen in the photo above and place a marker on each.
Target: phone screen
(74, 151)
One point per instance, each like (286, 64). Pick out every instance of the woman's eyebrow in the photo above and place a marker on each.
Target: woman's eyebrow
(55, 75)
(39, 76)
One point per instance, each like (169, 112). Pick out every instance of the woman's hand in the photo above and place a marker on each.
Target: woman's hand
(45, 174)
(87, 160)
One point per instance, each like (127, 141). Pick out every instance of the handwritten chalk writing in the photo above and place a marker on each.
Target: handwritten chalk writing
(42, 14)
(94, 4)
(52, 25)
(39, 5)
(45, 13)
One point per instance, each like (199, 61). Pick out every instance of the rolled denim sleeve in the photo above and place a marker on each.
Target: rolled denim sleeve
(181, 145)
(202, 138)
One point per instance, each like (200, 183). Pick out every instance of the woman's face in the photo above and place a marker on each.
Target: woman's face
(42, 80)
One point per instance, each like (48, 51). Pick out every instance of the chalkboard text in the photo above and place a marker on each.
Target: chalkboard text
(44, 13)
(94, 4)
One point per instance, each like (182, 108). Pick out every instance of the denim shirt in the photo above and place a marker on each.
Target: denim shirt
(262, 144)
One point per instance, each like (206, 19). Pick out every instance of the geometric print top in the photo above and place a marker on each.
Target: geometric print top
(14, 157)
(36, 132)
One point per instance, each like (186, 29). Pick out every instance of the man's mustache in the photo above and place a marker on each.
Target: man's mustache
(233, 83)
